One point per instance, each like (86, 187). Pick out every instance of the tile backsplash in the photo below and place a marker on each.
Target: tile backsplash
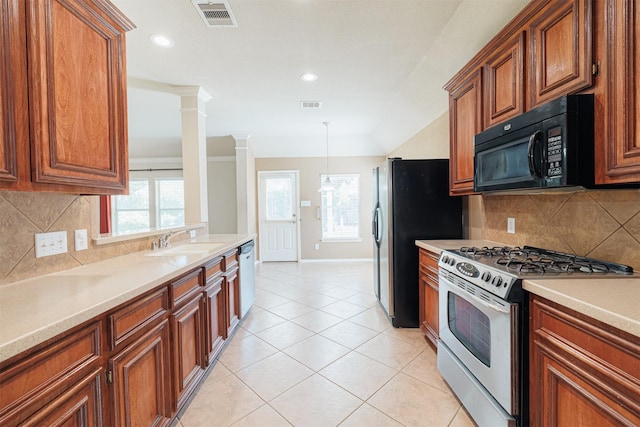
(23, 214)
(598, 224)
(603, 224)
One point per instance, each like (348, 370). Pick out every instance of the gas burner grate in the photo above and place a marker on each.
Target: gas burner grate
(529, 259)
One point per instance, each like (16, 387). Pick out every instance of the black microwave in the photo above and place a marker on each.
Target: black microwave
(550, 146)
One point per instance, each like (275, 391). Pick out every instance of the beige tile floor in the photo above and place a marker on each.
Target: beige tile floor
(317, 350)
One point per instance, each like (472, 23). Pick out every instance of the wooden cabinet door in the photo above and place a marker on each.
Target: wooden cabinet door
(52, 376)
(505, 84)
(618, 91)
(214, 319)
(561, 52)
(142, 381)
(465, 121)
(582, 373)
(188, 336)
(77, 95)
(14, 110)
(232, 295)
(429, 294)
(80, 406)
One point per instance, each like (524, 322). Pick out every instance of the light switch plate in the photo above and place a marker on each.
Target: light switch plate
(53, 243)
(511, 225)
(81, 240)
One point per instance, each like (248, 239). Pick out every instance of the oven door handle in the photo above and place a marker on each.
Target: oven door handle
(531, 155)
(480, 301)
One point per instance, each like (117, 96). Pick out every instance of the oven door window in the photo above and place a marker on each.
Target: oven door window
(470, 326)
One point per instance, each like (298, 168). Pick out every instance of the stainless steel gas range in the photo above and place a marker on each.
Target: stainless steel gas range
(483, 313)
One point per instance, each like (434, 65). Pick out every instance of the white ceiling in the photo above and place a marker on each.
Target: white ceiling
(381, 68)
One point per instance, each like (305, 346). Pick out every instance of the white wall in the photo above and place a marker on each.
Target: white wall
(221, 185)
(311, 226)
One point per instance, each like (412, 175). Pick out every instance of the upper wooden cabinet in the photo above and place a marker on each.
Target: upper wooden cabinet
(550, 49)
(561, 54)
(14, 120)
(66, 61)
(504, 74)
(465, 120)
(618, 92)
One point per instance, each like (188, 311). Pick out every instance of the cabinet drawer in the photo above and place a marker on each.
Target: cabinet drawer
(36, 380)
(428, 262)
(213, 269)
(134, 317)
(78, 406)
(186, 286)
(230, 260)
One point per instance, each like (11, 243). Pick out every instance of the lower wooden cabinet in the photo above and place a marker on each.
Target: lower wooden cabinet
(214, 319)
(188, 349)
(428, 295)
(582, 372)
(78, 407)
(141, 381)
(134, 365)
(231, 285)
(64, 373)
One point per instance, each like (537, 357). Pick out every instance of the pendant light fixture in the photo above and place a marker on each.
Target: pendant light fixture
(327, 185)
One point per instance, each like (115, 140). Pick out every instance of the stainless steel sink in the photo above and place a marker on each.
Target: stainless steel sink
(188, 249)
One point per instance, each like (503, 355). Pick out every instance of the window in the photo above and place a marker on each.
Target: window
(131, 213)
(340, 207)
(170, 202)
(278, 198)
(153, 202)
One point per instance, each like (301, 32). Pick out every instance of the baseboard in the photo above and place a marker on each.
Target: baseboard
(337, 260)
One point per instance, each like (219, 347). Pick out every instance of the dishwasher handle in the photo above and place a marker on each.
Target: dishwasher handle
(247, 247)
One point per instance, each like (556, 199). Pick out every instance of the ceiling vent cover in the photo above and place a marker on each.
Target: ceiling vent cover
(215, 13)
(310, 104)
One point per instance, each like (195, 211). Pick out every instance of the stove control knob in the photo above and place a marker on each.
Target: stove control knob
(445, 259)
(497, 281)
(486, 276)
(452, 261)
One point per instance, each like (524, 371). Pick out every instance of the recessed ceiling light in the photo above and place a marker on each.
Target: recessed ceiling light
(309, 77)
(161, 40)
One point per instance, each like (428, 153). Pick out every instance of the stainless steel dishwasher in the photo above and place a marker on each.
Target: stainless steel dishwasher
(247, 277)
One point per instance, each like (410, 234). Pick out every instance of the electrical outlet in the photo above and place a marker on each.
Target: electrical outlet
(192, 233)
(317, 246)
(81, 240)
(511, 225)
(48, 244)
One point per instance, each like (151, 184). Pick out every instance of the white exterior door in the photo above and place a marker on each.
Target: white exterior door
(278, 210)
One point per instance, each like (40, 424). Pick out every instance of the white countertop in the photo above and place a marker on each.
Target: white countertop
(36, 309)
(615, 302)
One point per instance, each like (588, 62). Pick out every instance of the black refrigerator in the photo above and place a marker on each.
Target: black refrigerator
(410, 202)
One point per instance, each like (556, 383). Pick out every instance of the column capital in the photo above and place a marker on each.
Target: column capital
(198, 91)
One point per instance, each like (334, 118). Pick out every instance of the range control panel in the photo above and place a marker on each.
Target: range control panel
(486, 277)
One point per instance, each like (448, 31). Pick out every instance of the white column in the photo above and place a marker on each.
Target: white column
(245, 185)
(194, 152)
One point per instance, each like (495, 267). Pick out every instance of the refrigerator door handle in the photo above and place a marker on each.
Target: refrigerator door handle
(374, 226)
(378, 230)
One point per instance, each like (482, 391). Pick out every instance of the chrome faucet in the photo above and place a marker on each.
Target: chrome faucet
(165, 239)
